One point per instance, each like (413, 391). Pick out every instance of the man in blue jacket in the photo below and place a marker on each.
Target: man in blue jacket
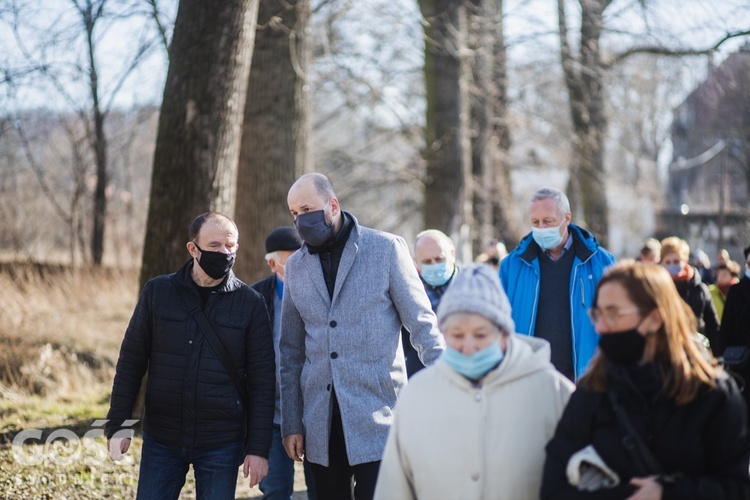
(551, 278)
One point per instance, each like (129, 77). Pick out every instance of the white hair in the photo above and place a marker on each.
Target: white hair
(547, 193)
(438, 235)
(273, 255)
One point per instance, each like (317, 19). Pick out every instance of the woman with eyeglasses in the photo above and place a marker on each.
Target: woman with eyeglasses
(654, 416)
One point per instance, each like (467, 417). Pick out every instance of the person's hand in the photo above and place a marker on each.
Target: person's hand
(256, 467)
(117, 446)
(293, 446)
(648, 488)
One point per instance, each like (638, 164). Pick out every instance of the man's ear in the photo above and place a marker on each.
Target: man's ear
(192, 249)
(335, 205)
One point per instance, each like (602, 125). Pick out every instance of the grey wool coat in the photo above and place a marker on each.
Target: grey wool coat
(351, 342)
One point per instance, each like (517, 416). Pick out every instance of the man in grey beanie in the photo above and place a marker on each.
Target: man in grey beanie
(493, 398)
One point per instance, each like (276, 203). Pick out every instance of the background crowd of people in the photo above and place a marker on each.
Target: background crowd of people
(551, 371)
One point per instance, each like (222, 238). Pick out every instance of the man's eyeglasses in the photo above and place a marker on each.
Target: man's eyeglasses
(610, 314)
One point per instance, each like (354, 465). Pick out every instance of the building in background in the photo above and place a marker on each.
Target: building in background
(708, 187)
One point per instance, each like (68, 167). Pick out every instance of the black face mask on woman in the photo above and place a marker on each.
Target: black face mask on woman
(215, 264)
(624, 347)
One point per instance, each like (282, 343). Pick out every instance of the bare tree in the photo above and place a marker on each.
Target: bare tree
(80, 35)
(584, 72)
(584, 78)
(276, 137)
(447, 201)
(494, 208)
(198, 143)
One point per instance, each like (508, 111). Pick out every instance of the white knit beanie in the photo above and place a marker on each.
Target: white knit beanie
(477, 289)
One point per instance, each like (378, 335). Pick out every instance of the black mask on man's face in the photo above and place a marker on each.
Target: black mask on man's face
(313, 227)
(215, 264)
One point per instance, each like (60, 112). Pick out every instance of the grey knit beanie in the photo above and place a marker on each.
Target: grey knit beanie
(477, 289)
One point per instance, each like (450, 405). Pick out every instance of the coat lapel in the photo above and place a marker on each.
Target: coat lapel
(314, 270)
(347, 259)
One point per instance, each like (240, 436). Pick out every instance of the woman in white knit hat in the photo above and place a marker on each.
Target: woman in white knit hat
(474, 424)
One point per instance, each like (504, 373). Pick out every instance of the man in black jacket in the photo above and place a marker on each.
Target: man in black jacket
(199, 410)
(280, 244)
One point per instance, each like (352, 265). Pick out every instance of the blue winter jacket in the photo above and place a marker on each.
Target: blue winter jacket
(519, 274)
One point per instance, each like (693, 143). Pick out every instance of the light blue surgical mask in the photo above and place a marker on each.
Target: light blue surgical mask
(547, 237)
(436, 274)
(673, 269)
(475, 365)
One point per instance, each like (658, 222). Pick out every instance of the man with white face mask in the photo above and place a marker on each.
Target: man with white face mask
(435, 257)
(550, 279)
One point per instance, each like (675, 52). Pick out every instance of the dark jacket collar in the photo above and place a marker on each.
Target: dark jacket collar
(183, 277)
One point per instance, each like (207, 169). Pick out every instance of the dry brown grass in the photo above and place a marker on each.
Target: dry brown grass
(60, 333)
(60, 329)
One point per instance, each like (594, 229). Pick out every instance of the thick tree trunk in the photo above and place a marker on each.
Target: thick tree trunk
(586, 186)
(448, 152)
(276, 139)
(494, 207)
(197, 147)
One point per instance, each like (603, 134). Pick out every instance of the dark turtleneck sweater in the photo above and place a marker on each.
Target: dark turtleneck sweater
(330, 252)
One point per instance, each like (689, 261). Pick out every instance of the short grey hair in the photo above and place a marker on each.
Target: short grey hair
(438, 235)
(548, 193)
(272, 255)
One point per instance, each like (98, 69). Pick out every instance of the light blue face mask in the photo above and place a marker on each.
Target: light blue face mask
(747, 273)
(547, 237)
(673, 269)
(476, 365)
(436, 274)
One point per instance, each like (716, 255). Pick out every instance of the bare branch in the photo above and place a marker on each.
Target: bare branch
(159, 25)
(665, 51)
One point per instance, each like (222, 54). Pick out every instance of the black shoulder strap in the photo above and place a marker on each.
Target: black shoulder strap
(632, 441)
(215, 343)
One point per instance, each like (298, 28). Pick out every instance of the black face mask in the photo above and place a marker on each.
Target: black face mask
(215, 264)
(624, 347)
(313, 228)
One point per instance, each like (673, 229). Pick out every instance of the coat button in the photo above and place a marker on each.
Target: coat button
(190, 341)
(334, 355)
(475, 477)
(332, 324)
(478, 397)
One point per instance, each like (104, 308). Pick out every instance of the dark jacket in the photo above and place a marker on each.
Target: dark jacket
(190, 398)
(267, 288)
(698, 297)
(434, 293)
(704, 443)
(735, 328)
(735, 322)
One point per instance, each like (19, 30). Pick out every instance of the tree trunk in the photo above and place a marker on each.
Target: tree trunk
(197, 146)
(447, 200)
(586, 186)
(505, 211)
(494, 208)
(91, 13)
(276, 138)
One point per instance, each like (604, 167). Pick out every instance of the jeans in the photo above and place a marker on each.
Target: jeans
(279, 483)
(163, 470)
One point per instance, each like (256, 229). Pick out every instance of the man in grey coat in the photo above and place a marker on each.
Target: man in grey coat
(348, 291)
